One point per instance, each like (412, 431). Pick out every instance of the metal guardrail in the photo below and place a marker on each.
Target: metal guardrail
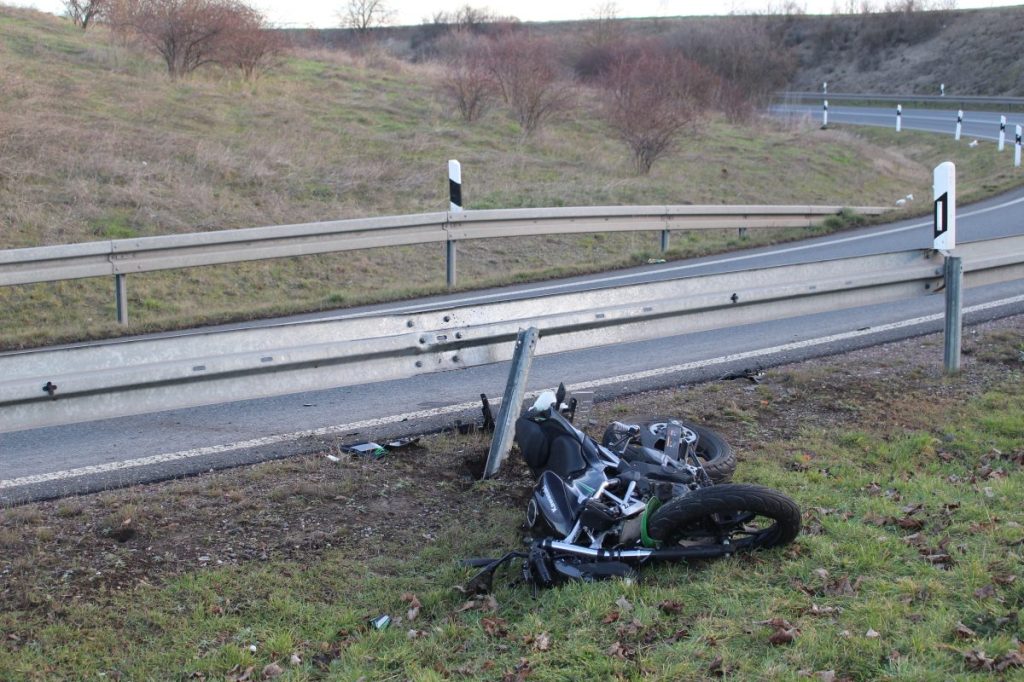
(146, 254)
(58, 386)
(868, 97)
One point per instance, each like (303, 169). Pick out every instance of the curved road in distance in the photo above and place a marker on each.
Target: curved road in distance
(50, 462)
(977, 125)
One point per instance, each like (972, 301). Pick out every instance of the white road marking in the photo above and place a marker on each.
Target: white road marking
(462, 407)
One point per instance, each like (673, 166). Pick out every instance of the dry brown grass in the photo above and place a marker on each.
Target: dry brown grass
(96, 143)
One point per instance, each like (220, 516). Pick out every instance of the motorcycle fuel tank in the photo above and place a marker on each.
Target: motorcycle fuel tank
(557, 502)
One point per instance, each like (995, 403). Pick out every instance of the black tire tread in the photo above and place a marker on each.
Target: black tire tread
(728, 497)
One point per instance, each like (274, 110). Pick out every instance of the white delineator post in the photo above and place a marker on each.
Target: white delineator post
(899, 117)
(454, 206)
(824, 115)
(824, 88)
(944, 189)
(1002, 132)
(1016, 149)
(959, 123)
(942, 90)
(454, 186)
(944, 194)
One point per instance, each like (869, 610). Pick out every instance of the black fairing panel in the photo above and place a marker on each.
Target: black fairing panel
(566, 456)
(533, 443)
(557, 502)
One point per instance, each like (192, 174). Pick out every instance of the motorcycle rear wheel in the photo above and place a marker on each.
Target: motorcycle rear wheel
(735, 516)
(713, 451)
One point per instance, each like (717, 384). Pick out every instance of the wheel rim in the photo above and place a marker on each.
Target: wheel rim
(738, 529)
(657, 430)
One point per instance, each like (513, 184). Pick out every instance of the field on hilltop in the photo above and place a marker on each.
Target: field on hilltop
(97, 143)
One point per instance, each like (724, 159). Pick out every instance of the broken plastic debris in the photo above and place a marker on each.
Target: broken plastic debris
(399, 443)
(333, 458)
(380, 622)
(372, 449)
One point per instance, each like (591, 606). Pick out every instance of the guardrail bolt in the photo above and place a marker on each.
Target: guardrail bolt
(51, 389)
(734, 298)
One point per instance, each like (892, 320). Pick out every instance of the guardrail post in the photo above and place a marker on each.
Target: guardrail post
(515, 389)
(449, 262)
(121, 298)
(664, 240)
(953, 275)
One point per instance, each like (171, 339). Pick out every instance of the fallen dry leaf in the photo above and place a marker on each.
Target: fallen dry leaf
(783, 636)
(272, 670)
(715, 668)
(961, 631)
(977, 660)
(985, 592)
(495, 627)
(519, 673)
(624, 604)
(610, 617)
(670, 606)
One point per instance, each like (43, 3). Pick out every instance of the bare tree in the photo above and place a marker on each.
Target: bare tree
(651, 99)
(365, 15)
(83, 12)
(186, 33)
(469, 83)
(248, 43)
(527, 74)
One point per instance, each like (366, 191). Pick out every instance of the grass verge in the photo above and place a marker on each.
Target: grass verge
(908, 567)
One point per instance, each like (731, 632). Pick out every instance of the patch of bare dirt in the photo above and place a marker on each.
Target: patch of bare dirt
(89, 546)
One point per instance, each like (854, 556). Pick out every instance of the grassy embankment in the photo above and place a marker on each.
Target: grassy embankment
(97, 144)
(908, 567)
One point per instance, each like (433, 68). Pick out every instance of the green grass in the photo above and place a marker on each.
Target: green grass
(909, 562)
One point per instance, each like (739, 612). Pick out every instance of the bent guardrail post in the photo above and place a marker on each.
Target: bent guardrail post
(515, 389)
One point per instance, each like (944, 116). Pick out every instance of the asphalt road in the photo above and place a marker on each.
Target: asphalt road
(77, 458)
(977, 125)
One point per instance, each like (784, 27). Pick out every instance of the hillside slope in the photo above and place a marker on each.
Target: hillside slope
(96, 143)
(972, 52)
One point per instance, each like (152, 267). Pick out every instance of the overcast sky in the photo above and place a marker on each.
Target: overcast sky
(324, 13)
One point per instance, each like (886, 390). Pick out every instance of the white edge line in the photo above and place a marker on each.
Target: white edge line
(461, 407)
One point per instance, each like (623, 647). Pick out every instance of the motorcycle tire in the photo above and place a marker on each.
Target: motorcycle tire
(713, 450)
(735, 516)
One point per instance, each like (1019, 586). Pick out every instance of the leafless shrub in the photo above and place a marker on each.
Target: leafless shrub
(188, 34)
(83, 12)
(527, 74)
(468, 82)
(749, 57)
(249, 44)
(652, 97)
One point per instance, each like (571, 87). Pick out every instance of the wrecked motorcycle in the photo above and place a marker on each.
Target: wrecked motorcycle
(654, 490)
